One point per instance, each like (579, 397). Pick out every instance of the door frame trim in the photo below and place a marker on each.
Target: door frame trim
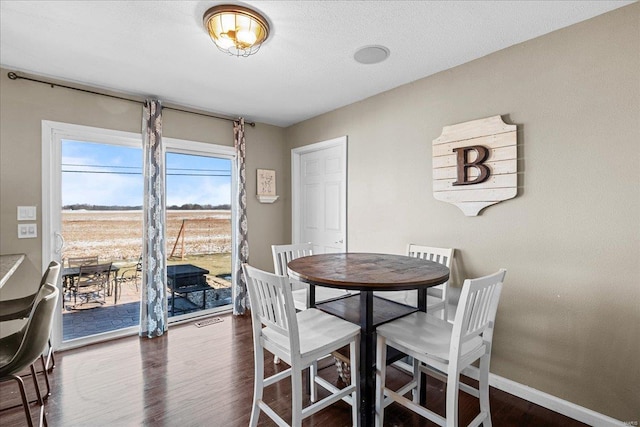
(296, 191)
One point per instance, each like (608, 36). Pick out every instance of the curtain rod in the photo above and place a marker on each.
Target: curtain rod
(14, 76)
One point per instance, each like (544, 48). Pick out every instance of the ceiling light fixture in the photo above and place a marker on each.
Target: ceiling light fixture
(236, 30)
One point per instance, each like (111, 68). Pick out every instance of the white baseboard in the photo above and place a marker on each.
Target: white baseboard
(548, 401)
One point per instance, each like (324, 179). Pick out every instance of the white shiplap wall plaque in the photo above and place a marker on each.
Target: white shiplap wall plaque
(475, 164)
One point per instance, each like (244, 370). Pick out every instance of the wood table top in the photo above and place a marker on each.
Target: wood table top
(368, 271)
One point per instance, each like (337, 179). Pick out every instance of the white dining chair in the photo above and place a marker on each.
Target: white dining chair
(437, 296)
(282, 255)
(299, 339)
(445, 348)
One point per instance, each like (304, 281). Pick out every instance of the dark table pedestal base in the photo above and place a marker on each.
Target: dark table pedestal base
(377, 311)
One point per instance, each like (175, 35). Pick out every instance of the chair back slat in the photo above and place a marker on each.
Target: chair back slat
(272, 303)
(271, 309)
(477, 309)
(283, 254)
(440, 255)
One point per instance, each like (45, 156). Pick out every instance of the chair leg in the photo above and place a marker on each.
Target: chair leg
(453, 384)
(483, 388)
(50, 357)
(25, 401)
(417, 377)
(258, 385)
(46, 376)
(296, 396)
(381, 372)
(313, 387)
(36, 385)
(42, 419)
(354, 357)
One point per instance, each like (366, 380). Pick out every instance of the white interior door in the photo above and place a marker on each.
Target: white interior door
(319, 195)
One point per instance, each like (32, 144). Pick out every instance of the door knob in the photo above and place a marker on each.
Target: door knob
(59, 239)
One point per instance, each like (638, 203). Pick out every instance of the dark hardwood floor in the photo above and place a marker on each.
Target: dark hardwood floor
(204, 377)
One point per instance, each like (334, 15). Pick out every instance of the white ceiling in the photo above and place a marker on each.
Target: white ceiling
(306, 68)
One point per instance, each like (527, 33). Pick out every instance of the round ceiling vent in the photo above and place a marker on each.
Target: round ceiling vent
(371, 54)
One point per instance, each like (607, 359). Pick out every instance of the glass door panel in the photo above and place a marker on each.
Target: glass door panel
(198, 233)
(101, 191)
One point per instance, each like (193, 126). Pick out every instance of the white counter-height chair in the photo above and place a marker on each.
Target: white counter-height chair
(299, 339)
(437, 296)
(282, 255)
(21, 349)
(446, 348)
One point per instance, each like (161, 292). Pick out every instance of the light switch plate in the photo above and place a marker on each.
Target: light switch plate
(26, 213)
(27, 231)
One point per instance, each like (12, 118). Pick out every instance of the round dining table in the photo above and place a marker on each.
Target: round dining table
(366, 273)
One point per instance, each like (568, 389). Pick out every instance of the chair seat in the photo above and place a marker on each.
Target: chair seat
(434, 338)
(18, 308)
(312, 337)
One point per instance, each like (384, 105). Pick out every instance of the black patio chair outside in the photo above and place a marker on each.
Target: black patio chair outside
(133, 274)
(91, 281)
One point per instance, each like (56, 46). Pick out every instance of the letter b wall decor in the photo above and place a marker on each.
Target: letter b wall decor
(475, 164)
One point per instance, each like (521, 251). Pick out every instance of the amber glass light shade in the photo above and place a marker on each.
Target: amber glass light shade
(236, 30)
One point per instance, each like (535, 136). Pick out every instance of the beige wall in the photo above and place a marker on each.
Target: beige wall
(569, 319)
(23, 106)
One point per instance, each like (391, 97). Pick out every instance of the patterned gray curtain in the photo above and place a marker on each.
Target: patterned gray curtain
(242, 244)
(153, 300)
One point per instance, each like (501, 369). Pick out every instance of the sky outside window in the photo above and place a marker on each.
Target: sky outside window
(111, 175)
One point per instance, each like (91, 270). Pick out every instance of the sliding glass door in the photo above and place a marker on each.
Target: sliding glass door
(92, 215)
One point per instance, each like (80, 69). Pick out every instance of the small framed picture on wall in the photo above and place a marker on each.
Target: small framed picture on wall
(266, 182)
